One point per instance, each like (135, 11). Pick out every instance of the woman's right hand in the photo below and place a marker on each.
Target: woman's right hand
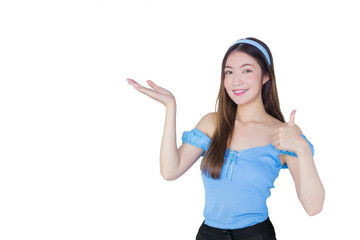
(159, 94)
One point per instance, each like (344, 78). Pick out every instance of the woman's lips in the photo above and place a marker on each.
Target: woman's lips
(237, 93)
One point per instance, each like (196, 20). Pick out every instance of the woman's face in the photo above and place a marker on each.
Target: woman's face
(242, 72)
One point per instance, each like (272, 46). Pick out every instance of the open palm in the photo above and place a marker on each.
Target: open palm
(158, 93)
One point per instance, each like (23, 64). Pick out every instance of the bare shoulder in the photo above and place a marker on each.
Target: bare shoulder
(207, 124)
(275, 123)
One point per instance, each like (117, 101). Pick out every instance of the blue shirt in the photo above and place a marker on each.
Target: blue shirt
(238, 198)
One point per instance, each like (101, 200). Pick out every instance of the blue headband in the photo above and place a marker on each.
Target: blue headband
(255, 44)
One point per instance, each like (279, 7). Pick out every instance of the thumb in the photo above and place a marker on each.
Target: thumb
(292, 118)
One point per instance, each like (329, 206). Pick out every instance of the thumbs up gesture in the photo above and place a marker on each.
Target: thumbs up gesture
(287, 137)
(292, 119)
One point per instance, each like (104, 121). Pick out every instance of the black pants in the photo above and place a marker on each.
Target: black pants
(261, 231)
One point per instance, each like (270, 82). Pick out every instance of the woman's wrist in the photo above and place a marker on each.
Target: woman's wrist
(171, 104)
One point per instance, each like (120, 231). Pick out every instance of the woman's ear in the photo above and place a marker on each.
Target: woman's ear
(266, 78)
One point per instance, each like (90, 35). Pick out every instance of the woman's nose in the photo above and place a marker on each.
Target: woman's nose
(238, 80)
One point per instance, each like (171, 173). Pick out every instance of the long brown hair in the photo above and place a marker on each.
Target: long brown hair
(226, 108)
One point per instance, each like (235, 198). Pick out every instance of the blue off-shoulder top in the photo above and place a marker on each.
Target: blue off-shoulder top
(238, 198)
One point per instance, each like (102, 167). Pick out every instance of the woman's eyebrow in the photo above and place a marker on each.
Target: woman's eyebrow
(246, 64)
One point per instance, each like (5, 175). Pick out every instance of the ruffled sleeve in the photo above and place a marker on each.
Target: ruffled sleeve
(294, 154)
(196, 138)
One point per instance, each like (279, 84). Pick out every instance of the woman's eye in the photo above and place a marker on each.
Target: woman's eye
(228, 72)
(247, 71)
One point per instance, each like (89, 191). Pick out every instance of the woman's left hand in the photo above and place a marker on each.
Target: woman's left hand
(288, 137)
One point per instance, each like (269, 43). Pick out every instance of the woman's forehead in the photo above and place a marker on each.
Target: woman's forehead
(236, 59)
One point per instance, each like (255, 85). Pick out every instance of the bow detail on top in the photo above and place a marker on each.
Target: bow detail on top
(231, 160)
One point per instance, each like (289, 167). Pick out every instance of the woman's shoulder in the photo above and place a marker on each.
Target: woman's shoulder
(276, 123)
(207, 124)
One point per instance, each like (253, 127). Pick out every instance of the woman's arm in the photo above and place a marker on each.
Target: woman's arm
(311, 190)
(174, 164)
(173, 161)
(169, 153)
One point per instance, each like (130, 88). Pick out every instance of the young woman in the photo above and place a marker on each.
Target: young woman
(244, 144)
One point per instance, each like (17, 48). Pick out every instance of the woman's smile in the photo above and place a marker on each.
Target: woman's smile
(240, 91)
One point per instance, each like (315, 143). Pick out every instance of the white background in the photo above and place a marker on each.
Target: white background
(79, 147)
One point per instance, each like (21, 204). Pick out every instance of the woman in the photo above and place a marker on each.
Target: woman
(244, 144)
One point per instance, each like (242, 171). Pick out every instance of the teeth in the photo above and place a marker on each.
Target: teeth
(240, 91)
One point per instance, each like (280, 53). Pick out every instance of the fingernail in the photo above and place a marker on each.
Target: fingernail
(295, 111)
(127, 81)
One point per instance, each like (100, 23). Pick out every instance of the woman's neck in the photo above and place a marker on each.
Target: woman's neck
(253, 112)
